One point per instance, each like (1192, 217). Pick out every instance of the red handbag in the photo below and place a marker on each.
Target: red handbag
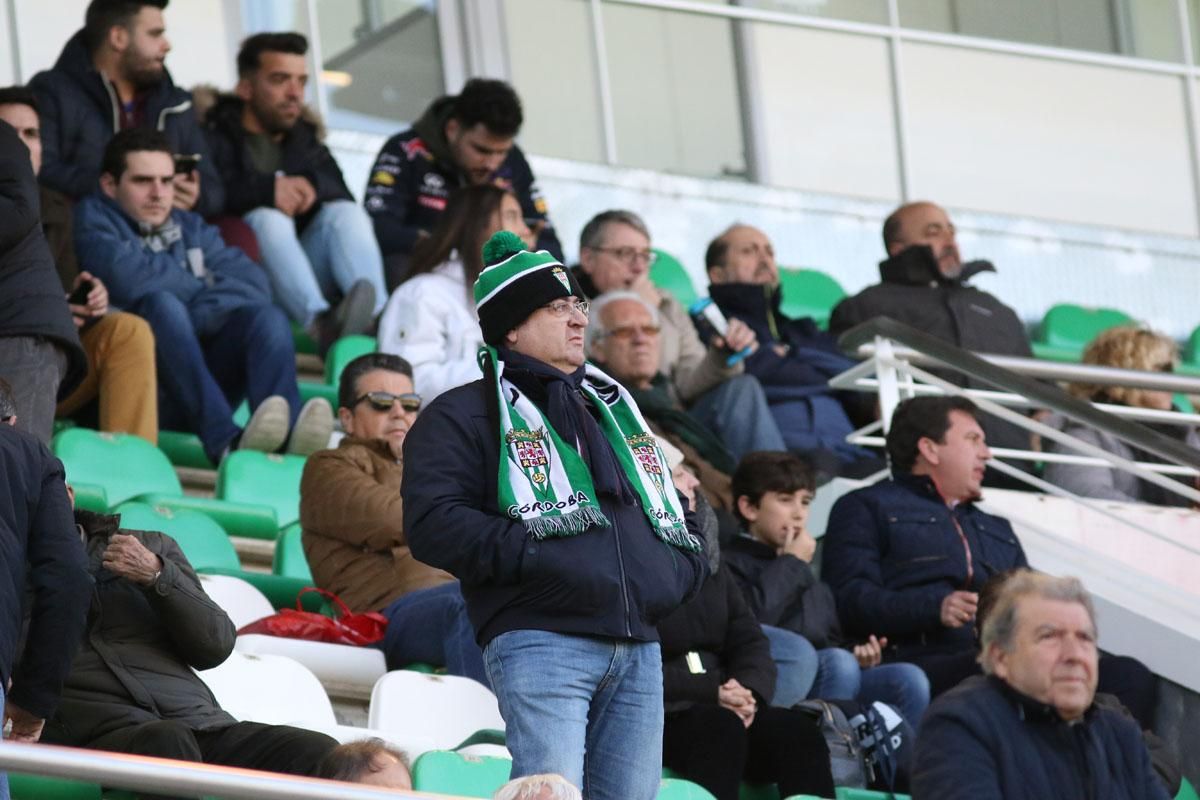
(346, 628)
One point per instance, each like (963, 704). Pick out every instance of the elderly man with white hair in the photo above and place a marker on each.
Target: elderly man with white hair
(1029, 727)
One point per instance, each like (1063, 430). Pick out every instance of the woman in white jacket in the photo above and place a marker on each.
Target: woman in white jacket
(430, 319)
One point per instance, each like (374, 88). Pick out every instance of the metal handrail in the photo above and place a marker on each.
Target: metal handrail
(167, 776)
(1044, 395)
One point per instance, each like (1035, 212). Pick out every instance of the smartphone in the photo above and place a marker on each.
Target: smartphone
(80, 295)
(186, 163)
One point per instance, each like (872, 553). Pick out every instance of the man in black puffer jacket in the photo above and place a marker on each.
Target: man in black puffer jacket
(110, 77)
(540, 488)
(40, 353)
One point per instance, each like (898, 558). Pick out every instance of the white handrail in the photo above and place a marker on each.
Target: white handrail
(166, 776)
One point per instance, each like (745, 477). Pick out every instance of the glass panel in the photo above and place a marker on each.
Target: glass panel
(874, 11)
(383, 60)
(1142, 28)
(552, 64)
(674, 82)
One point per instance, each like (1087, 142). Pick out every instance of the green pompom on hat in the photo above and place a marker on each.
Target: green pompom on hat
(516, 282)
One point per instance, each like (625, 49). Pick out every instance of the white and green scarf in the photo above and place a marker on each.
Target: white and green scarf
(546, 484)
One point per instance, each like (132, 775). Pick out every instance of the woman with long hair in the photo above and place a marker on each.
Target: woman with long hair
(430, 319)
(1125, 347)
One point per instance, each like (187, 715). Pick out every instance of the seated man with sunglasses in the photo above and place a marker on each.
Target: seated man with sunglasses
(353, 524)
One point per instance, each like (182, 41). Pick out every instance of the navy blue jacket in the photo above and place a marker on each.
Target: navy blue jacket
(893, 552)
(32, 302)
(79, 112)
(414, 175)
(983, 740)
(301, 150)
(615, 582)
(111, 248)
(41, 551)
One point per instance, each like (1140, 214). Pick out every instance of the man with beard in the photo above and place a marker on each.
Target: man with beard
(925, 284)
(316, 242)
(110, 77)
(460, 140)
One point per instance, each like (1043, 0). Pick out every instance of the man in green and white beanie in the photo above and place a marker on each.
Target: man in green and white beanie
(542, 489)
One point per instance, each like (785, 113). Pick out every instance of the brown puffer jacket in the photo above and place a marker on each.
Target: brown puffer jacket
(353, 524)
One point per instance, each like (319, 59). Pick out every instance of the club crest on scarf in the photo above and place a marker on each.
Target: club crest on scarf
(531, 451)
(645, 453)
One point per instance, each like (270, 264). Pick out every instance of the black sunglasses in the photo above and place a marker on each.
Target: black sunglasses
(384, 401)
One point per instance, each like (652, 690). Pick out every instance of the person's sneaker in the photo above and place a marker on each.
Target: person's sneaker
(267, 428)
(352, 315)
(313, 428)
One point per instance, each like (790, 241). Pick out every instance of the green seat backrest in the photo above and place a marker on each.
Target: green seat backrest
(446, 772)
(202, 540)
(809, 293)
(125, 465)
(1070, 326)
(184, 449)
(40, 787)
(301, 341)
(290, 560)
(667, 273)
(1191, 354)
(1187, 791)
(846, 793)
(345, 350)
(247, 476)
(679, 789)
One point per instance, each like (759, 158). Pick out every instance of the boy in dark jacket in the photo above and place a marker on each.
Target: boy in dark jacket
(315, 241)
(772, 562)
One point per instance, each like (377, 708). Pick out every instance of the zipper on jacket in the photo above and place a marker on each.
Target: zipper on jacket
(179, 109)
(624, 580)
(116, 101)
(962, 535)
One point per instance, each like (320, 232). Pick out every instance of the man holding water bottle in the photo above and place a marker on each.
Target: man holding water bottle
(710, 381)
(794, 360)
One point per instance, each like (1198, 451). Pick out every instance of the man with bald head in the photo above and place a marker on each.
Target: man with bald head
(794, 360)
(925, 284)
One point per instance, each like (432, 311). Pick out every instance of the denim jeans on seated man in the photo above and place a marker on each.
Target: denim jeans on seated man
(336, 250)
(737, 410)
(203, 374)
(431, 626)
(902, 686)
(796, 663)
(552, 688)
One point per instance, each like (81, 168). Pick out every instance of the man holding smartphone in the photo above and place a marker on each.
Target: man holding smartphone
(119, 346)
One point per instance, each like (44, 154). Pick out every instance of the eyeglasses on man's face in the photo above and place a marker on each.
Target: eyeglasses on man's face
(630, 255)
(386, 401)
(561, 308)
(626, 332)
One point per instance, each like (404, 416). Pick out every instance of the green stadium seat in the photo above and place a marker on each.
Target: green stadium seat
(1067, 329)
(345, 350)
(667, 273)
(126, 466)
(202, 540)
(446, 772)
(40, 787)
(1187, 791)
(809, 293)
(290, 560)
(184, 449)
(847, 793)
(251, 520)
(758, 791)
(247, 476)
(301, 341)
(679, 789)
(310, 389)
(90, 497)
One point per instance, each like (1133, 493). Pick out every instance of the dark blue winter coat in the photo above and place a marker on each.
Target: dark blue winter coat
(79, 112)
(110, 247)
(893, 552)
(615, 582)
(984, 741)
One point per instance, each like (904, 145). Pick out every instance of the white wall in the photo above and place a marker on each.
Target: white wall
(204, 35)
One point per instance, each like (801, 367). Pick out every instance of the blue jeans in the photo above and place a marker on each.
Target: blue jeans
(796, 665)
(902, 686)
(589, 709)
(737, 410)
(431, 625)
(336, 250)
(201, 379)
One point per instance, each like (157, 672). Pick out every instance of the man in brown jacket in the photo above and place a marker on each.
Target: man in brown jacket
(353, 524)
